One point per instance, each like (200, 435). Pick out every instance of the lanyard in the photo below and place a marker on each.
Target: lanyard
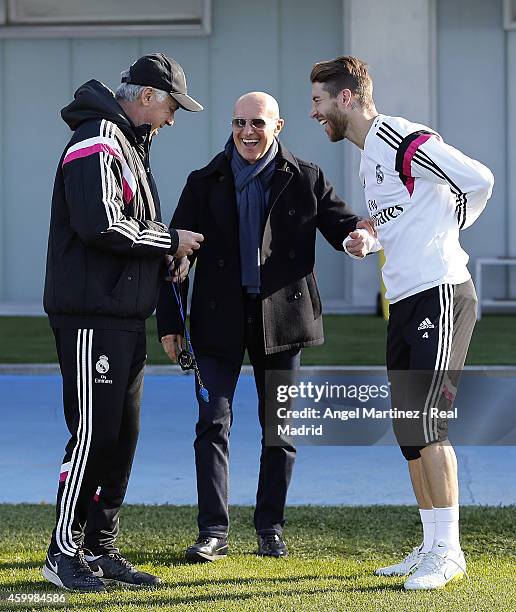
(186, 357)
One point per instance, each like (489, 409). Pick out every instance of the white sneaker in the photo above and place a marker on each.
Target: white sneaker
(438, 567)
(409, 564)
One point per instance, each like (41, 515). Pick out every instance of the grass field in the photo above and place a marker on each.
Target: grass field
(350, 340)
(333, 552)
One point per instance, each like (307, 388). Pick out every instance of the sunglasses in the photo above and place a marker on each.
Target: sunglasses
(239, 123)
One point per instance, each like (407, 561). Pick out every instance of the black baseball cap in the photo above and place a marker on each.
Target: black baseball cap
(162, 72)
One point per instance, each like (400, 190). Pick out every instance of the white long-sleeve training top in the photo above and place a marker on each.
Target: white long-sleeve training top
(421, 192)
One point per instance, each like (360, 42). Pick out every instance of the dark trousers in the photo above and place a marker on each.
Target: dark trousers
(211, 445)
(102, 374)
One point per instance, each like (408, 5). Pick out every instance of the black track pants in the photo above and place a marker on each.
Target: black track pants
(102, 374)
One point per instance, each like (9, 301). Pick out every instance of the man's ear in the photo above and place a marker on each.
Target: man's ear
(279, 126)
(146, 96)
(345, 97)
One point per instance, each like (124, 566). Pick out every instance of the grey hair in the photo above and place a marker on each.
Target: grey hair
(130, 93)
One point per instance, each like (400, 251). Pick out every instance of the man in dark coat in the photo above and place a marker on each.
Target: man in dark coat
(258, 208)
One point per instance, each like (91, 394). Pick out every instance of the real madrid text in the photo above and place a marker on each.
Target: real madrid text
(300, 428)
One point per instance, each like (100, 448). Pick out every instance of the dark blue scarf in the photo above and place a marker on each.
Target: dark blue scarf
(252, 186)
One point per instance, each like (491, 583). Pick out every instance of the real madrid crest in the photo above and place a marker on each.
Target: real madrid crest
(102, 365)
(379, 174)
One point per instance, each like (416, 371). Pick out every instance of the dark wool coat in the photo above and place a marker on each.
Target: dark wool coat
(301, 201)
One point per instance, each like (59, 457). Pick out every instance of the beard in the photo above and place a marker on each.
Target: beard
(338, 124)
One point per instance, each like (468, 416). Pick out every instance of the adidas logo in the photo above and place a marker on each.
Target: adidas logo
(426, 324)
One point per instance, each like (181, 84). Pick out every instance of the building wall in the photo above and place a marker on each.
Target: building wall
(476, 66)
(268, 46)
(458, 77)
(403, 78)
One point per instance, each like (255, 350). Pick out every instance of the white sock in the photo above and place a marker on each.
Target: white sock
(447, 527)
(428, 522)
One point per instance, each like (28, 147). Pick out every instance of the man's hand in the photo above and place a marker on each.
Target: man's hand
(188, 243)
(177, 269)
(357, 246)
(172, 344)
(369, 225)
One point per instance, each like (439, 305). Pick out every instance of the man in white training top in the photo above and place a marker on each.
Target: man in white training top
(421, 192)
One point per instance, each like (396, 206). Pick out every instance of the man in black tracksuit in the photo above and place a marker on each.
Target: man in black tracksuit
(106, 255)
(258, 207)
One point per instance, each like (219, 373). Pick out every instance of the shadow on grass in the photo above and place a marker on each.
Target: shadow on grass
(162, 600)
(42, 585)
(265, 585)
(384, 588)
(20, 565)
(260, 579)
(177, 558)
(152, 558)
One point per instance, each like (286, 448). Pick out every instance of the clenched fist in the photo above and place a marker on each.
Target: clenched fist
(188, 243)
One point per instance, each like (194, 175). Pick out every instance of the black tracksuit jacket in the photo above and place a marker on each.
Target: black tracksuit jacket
(106, 242)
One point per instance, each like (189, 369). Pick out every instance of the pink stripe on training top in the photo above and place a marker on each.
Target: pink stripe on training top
(127, 192)
(128, 180)
(409, 184)
(96, 148)
(63, 476)
(407, 160)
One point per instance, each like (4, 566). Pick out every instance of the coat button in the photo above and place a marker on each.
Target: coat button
(292, 254)
(221, 179)
(292, 212)
(220, 263)
(129, 278)
(213, 305)
(297, 295)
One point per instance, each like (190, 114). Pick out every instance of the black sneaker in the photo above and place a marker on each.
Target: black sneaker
(71, 573)
(207, 548)
(271, 545)
(114, 569)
